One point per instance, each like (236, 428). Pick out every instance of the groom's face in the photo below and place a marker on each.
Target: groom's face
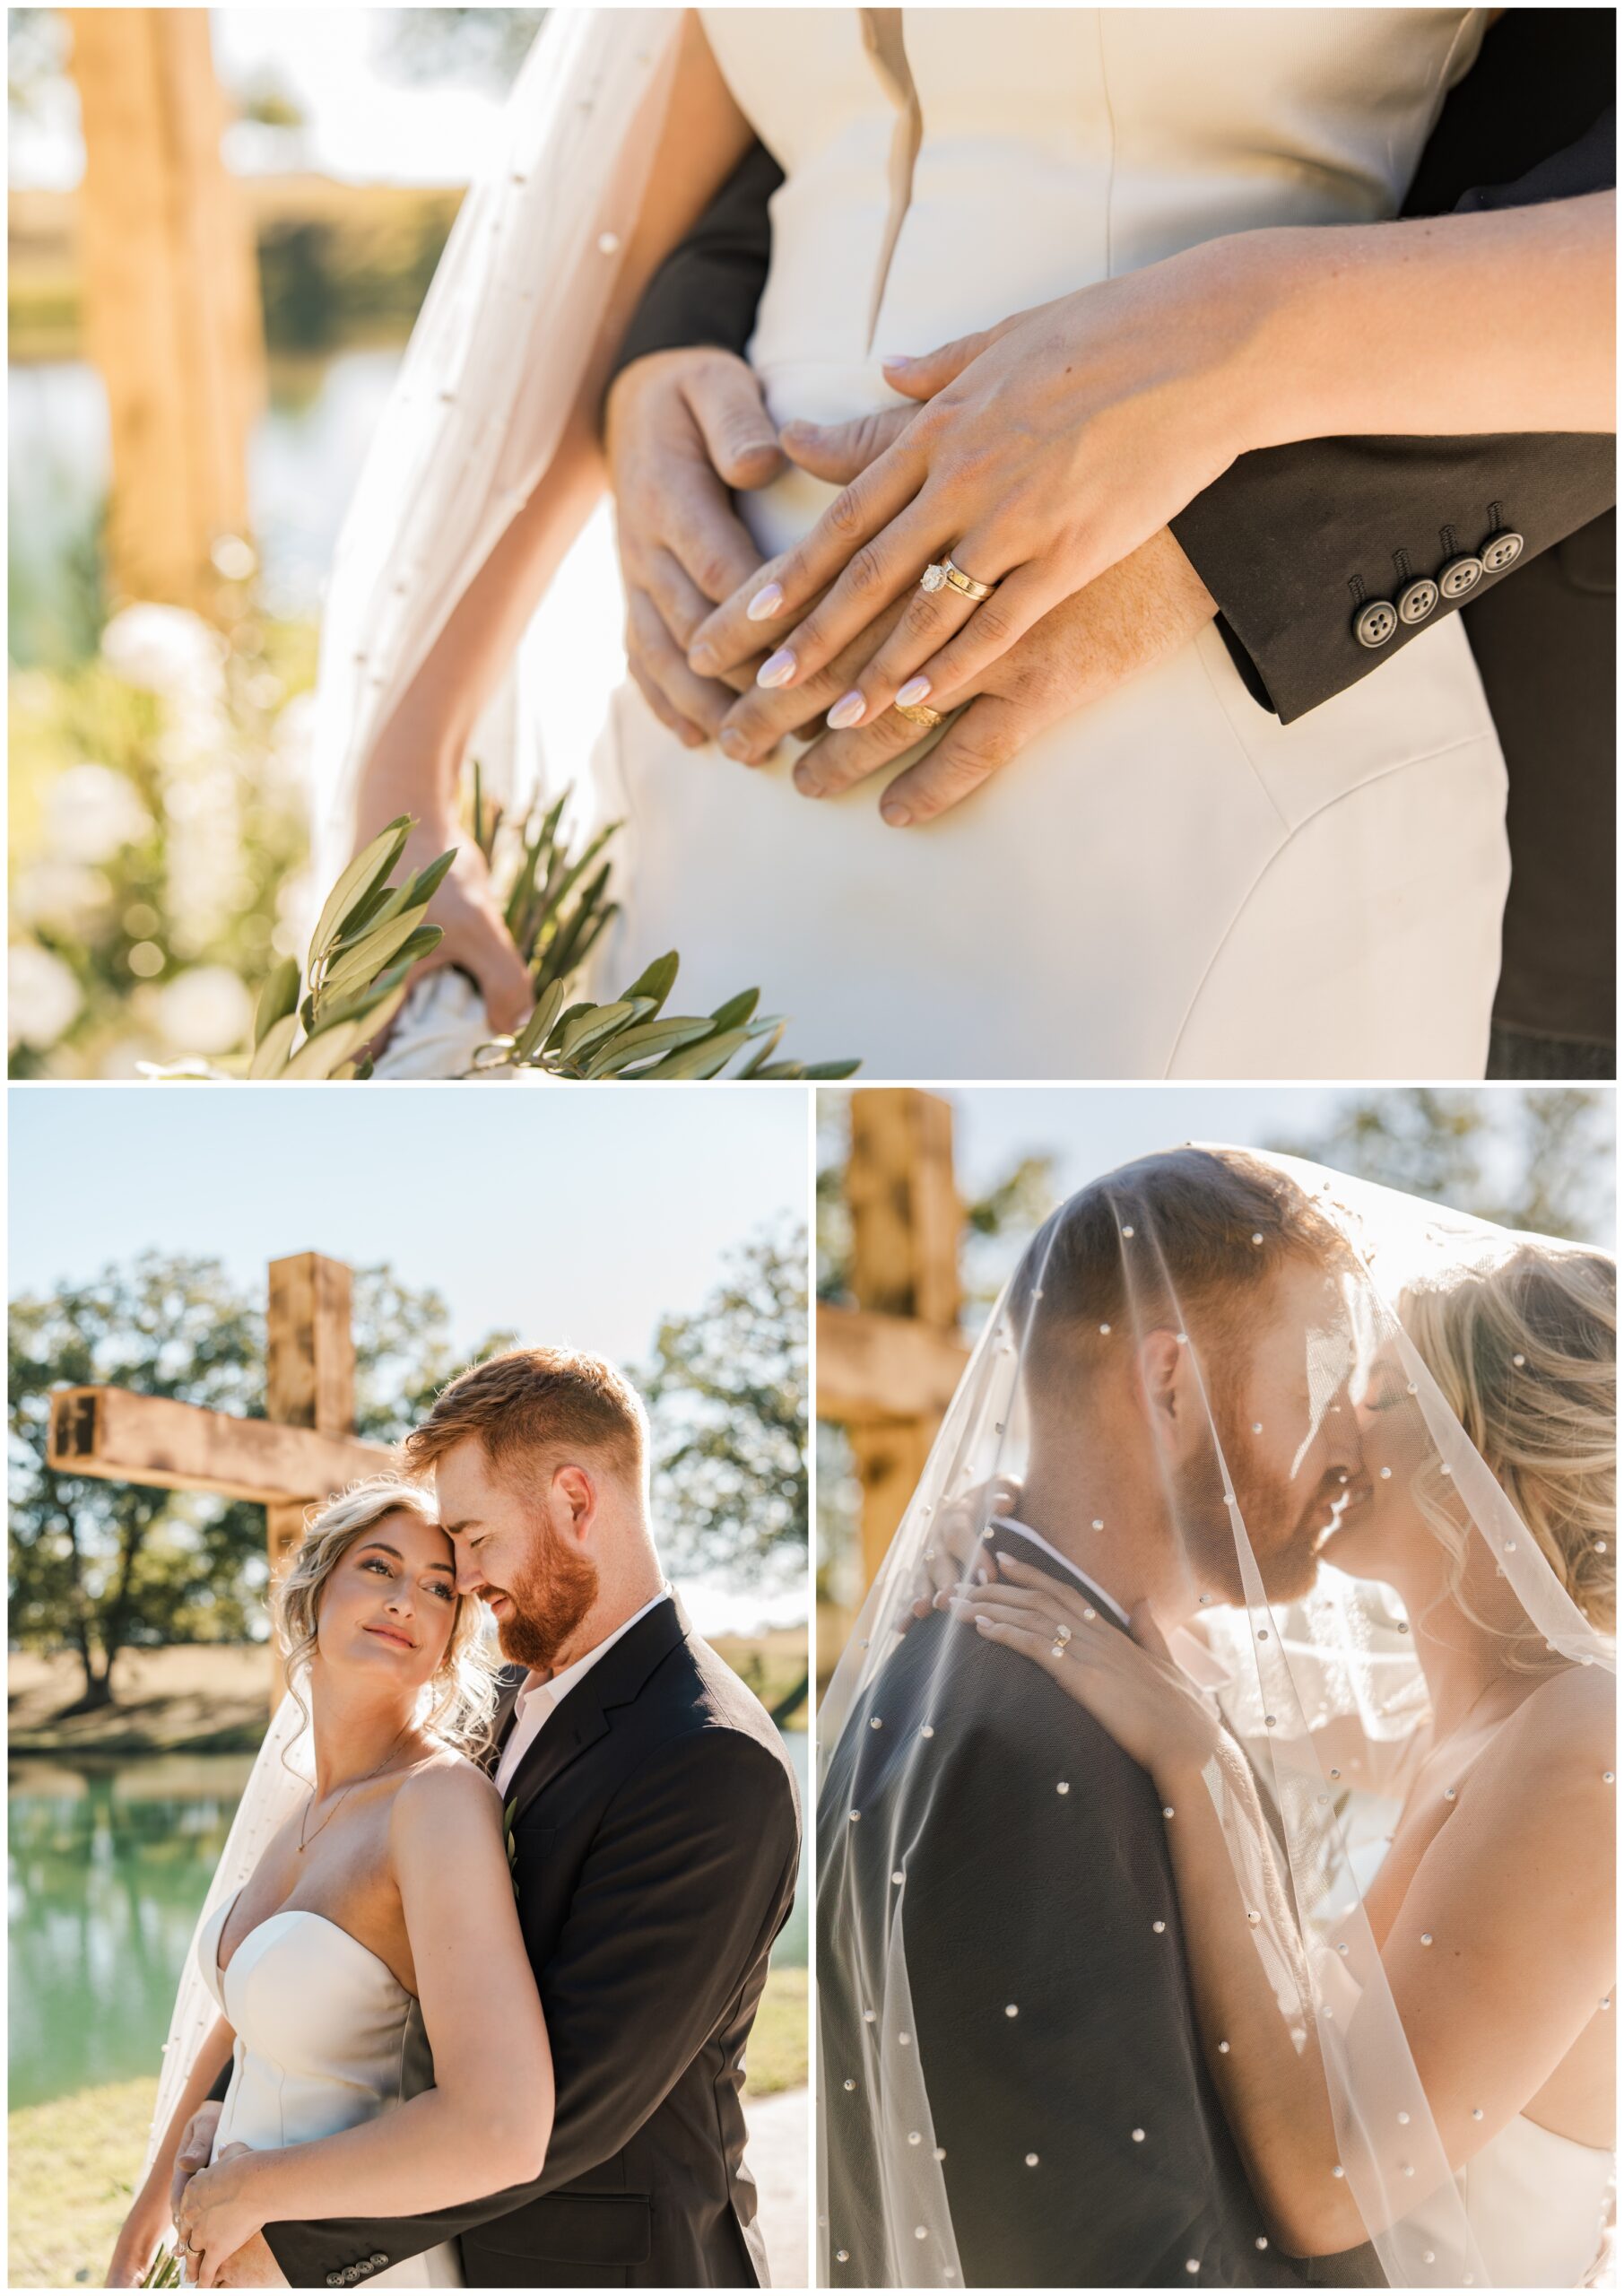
(1289, 1433)
(521, 1546)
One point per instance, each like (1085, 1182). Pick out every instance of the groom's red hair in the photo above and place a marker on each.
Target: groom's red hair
(534, 1400)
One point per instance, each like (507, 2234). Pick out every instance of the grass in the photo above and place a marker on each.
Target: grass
(74, 2161)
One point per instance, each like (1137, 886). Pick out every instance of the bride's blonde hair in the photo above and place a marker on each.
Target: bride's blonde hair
(459, 1698)
(1526, 1355)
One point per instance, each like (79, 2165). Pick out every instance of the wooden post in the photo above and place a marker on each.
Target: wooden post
(172, 315)
(905, 1264)
(310, 1382)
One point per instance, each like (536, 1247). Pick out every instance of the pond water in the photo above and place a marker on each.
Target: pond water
(107, 1870)
(305, 450)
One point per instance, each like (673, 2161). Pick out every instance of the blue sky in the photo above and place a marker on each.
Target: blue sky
(571, 1214)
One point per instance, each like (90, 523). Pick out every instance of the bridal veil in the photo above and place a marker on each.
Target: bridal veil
(1313, 1674)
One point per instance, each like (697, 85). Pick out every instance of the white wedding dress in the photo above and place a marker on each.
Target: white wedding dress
(1169, 882)
(327, 2038)
(1539, 2206)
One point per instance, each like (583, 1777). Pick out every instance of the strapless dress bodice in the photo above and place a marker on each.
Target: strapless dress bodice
(1539, 2206)
(327, 2038)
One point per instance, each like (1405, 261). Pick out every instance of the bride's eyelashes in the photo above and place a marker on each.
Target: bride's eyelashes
(446, 1594)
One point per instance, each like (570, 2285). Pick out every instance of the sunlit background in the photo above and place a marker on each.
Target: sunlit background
(163, 638)
(139, 1679)
(977, 1172)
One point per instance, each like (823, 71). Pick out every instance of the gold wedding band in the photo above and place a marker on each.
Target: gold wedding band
(967, 583)
(918, 713)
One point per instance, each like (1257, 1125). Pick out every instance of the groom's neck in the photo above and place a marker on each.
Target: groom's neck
(626, 1585)
(1113, 1533)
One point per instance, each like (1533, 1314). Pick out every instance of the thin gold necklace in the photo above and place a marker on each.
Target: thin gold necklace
(349, 1790)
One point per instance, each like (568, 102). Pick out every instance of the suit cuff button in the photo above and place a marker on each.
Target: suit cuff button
(1373, 625)
(379, 2261)
(1500, 550)
(1417, 602)
(335, 2280)
(1460, 575)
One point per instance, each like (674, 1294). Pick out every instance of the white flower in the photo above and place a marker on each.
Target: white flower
(167, 649)
(59, 892)
(42, 995)
(204, 1010)
(90, 812)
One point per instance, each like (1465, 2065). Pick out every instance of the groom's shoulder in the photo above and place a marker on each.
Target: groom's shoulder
(702, 1714)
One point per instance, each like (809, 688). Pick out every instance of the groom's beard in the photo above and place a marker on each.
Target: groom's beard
(549, 1602)
(1279, 1526)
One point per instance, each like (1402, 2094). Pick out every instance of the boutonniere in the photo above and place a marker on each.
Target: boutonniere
(509, 1811)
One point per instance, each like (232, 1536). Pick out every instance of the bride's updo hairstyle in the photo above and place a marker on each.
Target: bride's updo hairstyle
(1526, 1356)
(459, 1698)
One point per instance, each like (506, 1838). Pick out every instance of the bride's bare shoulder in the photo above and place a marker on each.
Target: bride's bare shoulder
(443, 1787)
(1561, 1734)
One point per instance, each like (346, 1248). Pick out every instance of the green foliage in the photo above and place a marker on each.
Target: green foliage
(726, 1397)
(99, 1567)
(1523, 1156)
(157, 820)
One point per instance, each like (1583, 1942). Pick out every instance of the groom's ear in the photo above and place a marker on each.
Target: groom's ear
(575, 1499)
(1167, 1385)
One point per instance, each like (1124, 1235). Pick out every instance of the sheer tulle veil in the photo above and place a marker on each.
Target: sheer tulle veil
(494, 368)
(1319, 1685)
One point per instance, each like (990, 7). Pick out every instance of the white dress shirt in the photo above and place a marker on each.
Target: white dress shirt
(541, 1695)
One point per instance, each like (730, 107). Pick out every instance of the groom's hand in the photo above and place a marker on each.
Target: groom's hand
(1151, 602)
(196, 2146)
(252, 2265)
(682, 430)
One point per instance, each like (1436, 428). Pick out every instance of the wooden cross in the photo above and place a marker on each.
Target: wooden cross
(302, 1452)
(887, 1368)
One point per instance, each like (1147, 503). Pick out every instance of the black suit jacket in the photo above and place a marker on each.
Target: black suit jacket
(655, 1827)
(1017, 1894)
(1292, 541)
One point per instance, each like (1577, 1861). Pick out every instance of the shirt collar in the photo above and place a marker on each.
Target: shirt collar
(1037, 1539)
(1193, 1656)
(559, 1686)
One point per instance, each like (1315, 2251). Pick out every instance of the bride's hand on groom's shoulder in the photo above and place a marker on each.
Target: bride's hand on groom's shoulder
(683, 430)
(1050, 449)
(1089, 643)
(1127, 1682)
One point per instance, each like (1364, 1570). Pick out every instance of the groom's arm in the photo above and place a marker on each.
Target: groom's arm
(707, 289)
(689, 1878)
(1296, 543)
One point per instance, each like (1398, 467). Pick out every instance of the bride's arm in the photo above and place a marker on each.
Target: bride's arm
(414, 764)
(487, 2121)
(149, 2217)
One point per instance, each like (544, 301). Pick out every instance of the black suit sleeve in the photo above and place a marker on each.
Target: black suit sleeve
(707, 289)
(689, 1877)
(1293, 541)
(1103, 2041)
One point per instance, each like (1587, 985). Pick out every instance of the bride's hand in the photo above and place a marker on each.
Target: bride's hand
(475, 936)
(1072, 435)
(1127, 1682)
(956, 1542)
(218, 2214)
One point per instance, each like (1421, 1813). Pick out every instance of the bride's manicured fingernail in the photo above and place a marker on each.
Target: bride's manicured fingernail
(1004, 1558)
(777, 669)
(765, 603)
(899, 359)
(847, 711)
(914, 691)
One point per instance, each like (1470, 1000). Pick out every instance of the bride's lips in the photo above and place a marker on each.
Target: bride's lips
(391, 1634)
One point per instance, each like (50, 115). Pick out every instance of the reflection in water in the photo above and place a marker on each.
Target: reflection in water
(109, 1869)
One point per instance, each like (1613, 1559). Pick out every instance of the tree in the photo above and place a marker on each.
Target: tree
(1541, 1160)
(102, 1567)
(726, 1397)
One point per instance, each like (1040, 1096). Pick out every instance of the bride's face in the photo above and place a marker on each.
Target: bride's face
(1382, 1533)
(390, 1602)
